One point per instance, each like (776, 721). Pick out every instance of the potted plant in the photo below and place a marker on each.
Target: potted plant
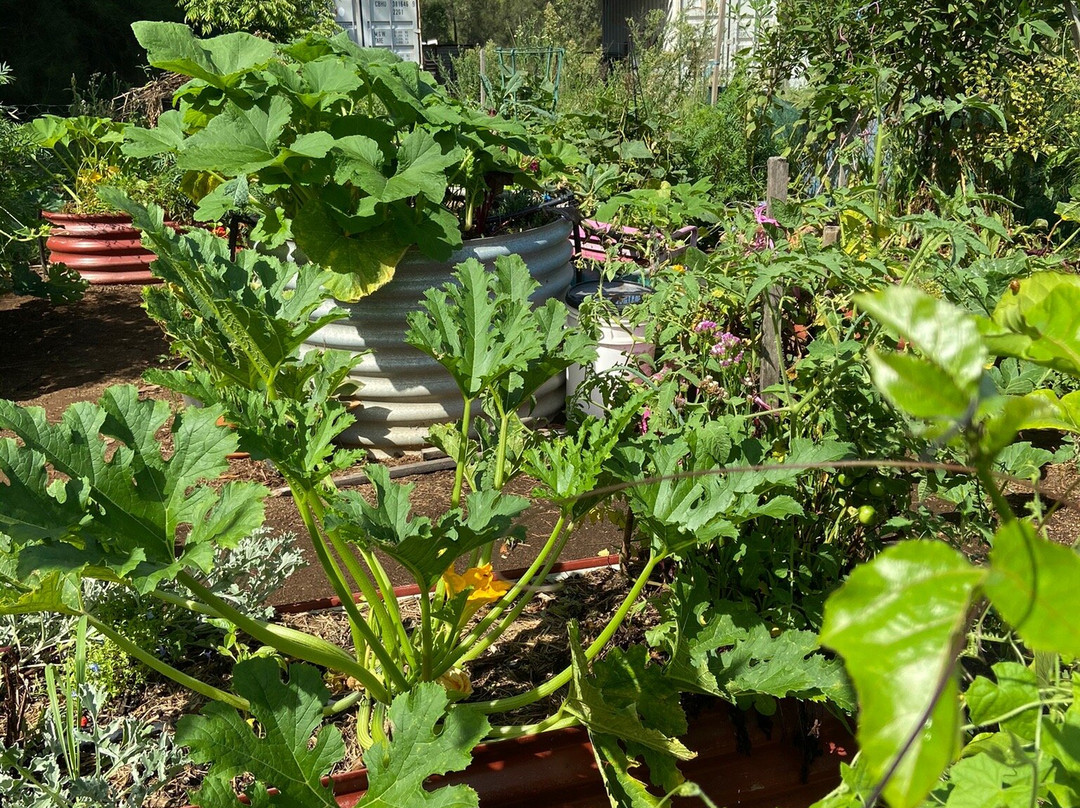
(361, 163)
(86, 235)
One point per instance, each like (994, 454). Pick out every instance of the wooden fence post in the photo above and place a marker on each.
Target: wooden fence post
(772, 357)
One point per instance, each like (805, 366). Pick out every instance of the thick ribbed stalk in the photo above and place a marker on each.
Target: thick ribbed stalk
(382, 580)
(359, 626)
(558, 681)
(377, 604)
(425, 636)
(500, 474)
(557, 721)
(463, 453)
(333, 573)
(289, 641)
(165, 669)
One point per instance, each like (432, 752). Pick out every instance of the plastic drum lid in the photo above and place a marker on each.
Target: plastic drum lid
(620, 292)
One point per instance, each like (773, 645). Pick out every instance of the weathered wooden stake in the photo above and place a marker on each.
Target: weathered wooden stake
(483, 65)
(714, 88)
(772, 358)
(830, 235)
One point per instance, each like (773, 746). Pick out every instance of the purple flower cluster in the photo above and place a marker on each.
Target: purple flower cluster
(725, 349)
(705, 325)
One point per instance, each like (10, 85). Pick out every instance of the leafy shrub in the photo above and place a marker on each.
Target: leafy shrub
(279, 20)
(713, 145)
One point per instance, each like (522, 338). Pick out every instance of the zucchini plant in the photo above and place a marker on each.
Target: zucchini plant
(355, 154)
(119, 509)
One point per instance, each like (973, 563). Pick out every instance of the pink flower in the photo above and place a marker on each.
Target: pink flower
(645, 414)
(762, 217)
(705, 325)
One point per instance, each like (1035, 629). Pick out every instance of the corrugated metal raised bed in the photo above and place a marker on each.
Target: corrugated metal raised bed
(403, 391)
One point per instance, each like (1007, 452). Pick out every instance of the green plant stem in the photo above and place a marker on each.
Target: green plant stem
(344, 703)
(425, 636)
(289, 641)
(558, 681)
(381, 600)
(471, 646)
(363, 636)
(463, 453)
(1001, 505)
(500, 474)
(557, 721)
(391, 602)
(333, 573)
(165, 669)
(998, 719)
(367, 587)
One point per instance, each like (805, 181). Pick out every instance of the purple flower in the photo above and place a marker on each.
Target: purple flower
(724, 343)
(705, 325)
(762, 217)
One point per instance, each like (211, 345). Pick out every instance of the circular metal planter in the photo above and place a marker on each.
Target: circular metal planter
(103, 248)
(403, 392)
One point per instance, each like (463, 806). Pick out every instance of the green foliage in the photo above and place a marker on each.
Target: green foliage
(350, 151)
(99, 523)
(398, 767)
(510, 22)
(909, 95)
(281, 753)
(727, 650)
(714, 147)
(631, 711)
(900, 621)
(241, 324)
(484, 332)
(276, 19)
(420, 545)
(908, 604)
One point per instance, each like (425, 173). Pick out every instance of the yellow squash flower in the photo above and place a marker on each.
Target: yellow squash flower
(483, 586)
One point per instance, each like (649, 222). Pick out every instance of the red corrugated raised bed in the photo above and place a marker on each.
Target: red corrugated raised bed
(103, 248)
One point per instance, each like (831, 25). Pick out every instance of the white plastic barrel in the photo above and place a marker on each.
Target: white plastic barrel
(619, 345)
